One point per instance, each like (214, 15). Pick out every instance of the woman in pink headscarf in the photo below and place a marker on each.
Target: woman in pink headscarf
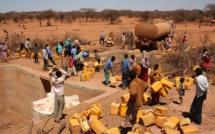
(144, 63)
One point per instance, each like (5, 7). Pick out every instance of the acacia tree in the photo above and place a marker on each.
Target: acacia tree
(111, 15)
(210, 8)
(48, 14)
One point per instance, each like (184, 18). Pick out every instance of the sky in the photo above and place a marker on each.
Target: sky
(99, 5)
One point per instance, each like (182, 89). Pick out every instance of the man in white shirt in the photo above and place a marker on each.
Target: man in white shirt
(202, 87)
(58, 89)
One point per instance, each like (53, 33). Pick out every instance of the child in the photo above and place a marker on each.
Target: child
(72, 67)
(181, 90)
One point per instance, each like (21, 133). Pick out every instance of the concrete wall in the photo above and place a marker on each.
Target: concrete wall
(19, 88)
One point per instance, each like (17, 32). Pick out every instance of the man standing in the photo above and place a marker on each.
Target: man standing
(125, 69)
(50, 55)
(136, 88)
(108, 66)
(58, 89)
(123, 41)
(202, 88)
(102, 38)
(28, 48)
(45, 58)
(205, 61)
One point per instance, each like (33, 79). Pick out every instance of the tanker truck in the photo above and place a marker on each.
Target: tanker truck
(151, 35)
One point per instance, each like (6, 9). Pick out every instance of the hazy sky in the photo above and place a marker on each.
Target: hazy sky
(69, 5)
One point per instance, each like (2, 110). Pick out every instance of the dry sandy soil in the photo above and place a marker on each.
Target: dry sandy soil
(12, 122)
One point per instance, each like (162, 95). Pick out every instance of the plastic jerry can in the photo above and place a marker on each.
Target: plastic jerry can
(185, 121)
(76, 116)
(87, 77)
(195, 67)
(190, 79)
(113, 80)
(82, 77)
(85, 68)
(93, 118)
(166, 83)
(119, 78)
(156, 86)
(92, 70)
(125, 98)
(172, 122)
(95, 64)
(85, 126)
(96, 111)
(98, 127)
(114, 130)
(170, 131)
(99, 106)
(177, 81)
(141, 113)
(85, 64)
(84, 71)
(114, 109)
(147, 120)
(86, 112)
(146, 98)
(189, 129)
(187, 86)
(163, 92)
(74, 126)
(130, 132)
(160, 110)
(123, 109)
(160, 120)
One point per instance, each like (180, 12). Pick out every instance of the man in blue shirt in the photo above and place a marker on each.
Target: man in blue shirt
(108, 66)
(74, 52)
(50, 55)
(125, 69)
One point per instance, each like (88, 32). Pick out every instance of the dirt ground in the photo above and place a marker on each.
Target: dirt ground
(11, 122)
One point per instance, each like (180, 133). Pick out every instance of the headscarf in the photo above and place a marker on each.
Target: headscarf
(144, 60)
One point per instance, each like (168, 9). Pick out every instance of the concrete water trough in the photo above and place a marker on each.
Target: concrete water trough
(20, 86)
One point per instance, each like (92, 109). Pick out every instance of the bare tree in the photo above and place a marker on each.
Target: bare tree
(210, 8)
(48, 14)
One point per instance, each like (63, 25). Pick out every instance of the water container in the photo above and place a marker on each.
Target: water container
(95, 111)
(114, 130)
(187, 86)
(118, 78)
(85, 126)
(189, 129)
(142, 112)
(185, 121)
(194, 68)
(76, 116)
(90, 74)
(125, 98)
(172, 122)
(123, 109)
(160, 120)
(95, 64)
(147, 120)
(114, 109)
(99, 106)
(166, 83)
(113, 80)
(190, 79)
(98, 127)
(92, 70)
(93, 118)
(85, 64)
(163, 92)
(100, 64)
(87, 77)
(85, 68)
(74, 126)
(177, 81)
(130, 132)
(155, 87)
(160, 110)
(82, 77)
(86, 112)
(84, 71)
(170, 131)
